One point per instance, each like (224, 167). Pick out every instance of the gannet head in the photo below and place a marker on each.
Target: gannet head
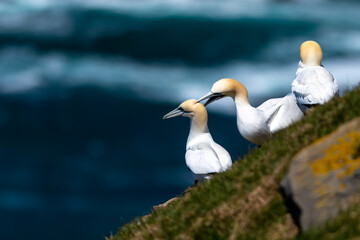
(311, 53)
(226, 87)
(190, 108)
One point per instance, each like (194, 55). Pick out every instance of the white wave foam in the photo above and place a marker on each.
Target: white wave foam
(335, 24)
(334, 12)
(23, 70)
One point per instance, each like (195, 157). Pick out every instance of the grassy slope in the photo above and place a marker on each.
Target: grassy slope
(244, 203)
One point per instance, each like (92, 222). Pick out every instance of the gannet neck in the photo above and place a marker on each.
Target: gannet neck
(311, 53)
(251, 122)
(241, 93)
(198, 130)
(199, 120)
(241, 100)
(244, 110)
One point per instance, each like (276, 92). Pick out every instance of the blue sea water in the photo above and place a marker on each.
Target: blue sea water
(84, 86)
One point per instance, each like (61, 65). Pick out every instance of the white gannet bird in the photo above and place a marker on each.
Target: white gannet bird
(204, 157)
(313, 84)
(256, 124)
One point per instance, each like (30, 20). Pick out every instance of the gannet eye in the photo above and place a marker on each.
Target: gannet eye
(181, 109)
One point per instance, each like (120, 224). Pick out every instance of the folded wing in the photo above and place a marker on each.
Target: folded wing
(281, 112)
(202, 159)
(314, 86)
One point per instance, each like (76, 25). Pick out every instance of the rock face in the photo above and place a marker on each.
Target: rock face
(324, 177)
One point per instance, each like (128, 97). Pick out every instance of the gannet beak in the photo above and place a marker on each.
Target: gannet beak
(212, 97)
(174, 113)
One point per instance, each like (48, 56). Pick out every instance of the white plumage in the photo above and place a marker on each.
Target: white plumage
(256, 124)
(313, 84)
(282, 112)
(203, 156)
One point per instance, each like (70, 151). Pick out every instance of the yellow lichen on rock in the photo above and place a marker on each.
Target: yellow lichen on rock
(323, 177)
(340, 156)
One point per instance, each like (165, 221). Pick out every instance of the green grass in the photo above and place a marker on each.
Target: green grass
(244, 203)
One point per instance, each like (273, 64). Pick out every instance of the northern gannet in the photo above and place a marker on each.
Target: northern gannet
(256, 124)
(203, 157)
(313, 84)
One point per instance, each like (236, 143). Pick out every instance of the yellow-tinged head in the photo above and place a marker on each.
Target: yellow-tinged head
(311, 53)
(226, 87)
(189, 108)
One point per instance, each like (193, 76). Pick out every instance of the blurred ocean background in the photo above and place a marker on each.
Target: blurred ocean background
(84, 86)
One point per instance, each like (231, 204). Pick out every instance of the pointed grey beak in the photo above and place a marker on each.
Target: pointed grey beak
(212, 97)
(174, 113)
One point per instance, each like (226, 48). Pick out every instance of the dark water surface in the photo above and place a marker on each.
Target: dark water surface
(83, 161)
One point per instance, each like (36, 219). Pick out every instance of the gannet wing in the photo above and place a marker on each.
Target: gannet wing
(285, 113)
(223, 156)
(268, 104)
(202, 159)
(314, 86)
